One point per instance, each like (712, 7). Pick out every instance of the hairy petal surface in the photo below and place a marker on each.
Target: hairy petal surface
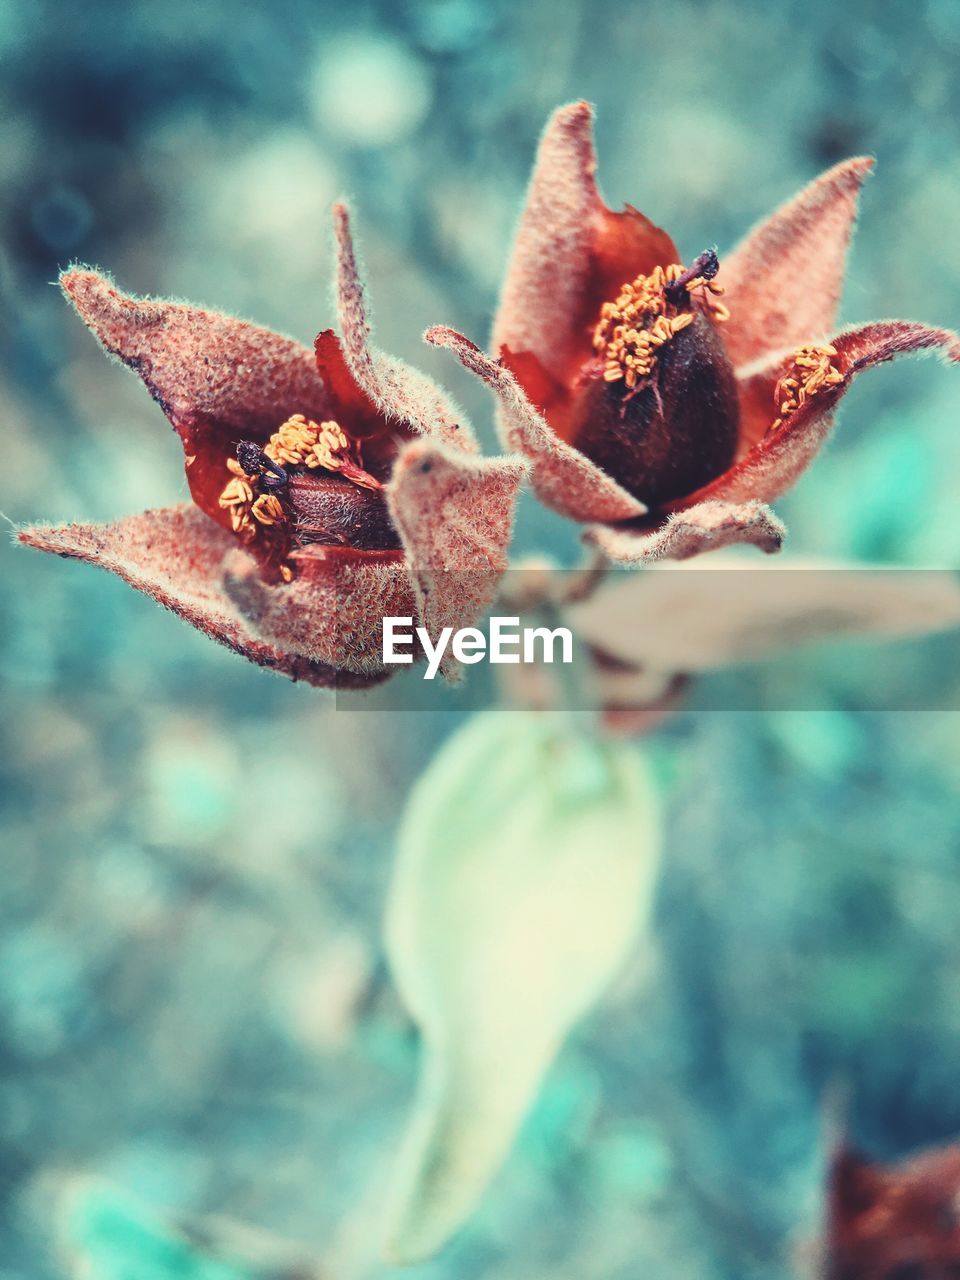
(571, 252)
(454, 514)
(176, 556)
(780, 457)
(332, 611)
(401, 393)
(708, 526)
(563, 477)
(550, 264)
(783, 282)
(216, 378)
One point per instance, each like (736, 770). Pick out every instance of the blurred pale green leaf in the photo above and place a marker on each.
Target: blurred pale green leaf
(525, 869)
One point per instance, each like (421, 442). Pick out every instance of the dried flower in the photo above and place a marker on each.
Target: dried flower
(330, 487)
(665, 417)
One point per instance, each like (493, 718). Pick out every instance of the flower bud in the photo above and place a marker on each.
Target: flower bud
(673, 435)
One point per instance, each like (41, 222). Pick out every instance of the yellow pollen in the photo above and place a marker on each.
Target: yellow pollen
(811, 370)
(237, 498)
(642, 318)
(297, 442)
(300, 442)
(267, 509)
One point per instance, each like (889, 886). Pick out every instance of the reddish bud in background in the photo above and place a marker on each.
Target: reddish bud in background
(894, 1221)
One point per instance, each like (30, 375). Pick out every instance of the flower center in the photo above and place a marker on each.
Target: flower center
(811, 370)
(309, 482)
(648, 312)
(299, 442)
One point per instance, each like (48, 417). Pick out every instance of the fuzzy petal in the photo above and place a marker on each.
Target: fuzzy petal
(400, 392)
(780, 457)
(176, 556)
(216, 378)
(724, 611)
(333, 610)
(705, 527)
(783, 282)
(571, 251)
(454, 514)
(563, 477)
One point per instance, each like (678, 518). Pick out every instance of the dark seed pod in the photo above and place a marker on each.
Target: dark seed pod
(325, 508)
(677, 433)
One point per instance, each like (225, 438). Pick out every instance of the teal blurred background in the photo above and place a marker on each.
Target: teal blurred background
(193, 1000)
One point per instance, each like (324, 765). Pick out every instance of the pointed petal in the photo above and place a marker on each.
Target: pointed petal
(563, 477)
(333, 610)
(175, 555)
(550, 265)
(454, 514)
(401, 393)
(571, 251)
(780, 457)
(216, 378)
(724, 611)
(783, 282)
(705, 527)
(358, 409)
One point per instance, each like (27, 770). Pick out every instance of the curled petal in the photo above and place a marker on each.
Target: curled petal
(563, 477)
(783, 282)
(780, 457)
(216, 378)
(332, 611)
(175, 555)
(454, 514)
(571, 251)
(705, 527)
(863, 346)
(402, 394)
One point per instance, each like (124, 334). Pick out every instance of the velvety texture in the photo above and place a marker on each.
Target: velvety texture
(218, 380)
(782, 287)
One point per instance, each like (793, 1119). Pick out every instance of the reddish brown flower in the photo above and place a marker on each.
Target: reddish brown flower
(331, 487)
(894, 1222)
(670, 404)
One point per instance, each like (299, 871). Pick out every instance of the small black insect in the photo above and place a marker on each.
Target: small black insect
(255, 462)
